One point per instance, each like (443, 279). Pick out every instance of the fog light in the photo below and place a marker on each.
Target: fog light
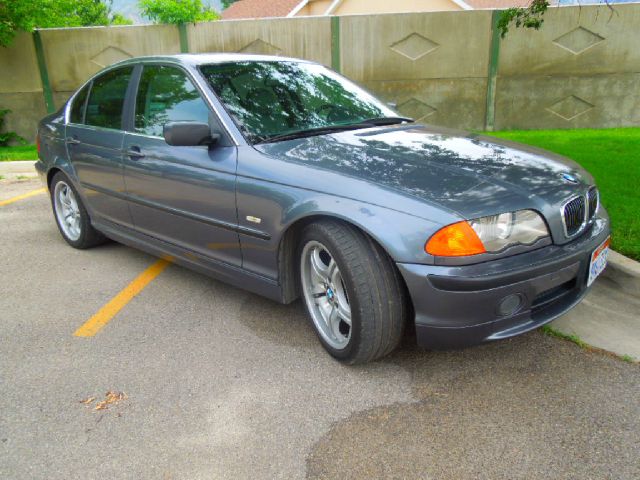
(510, 304)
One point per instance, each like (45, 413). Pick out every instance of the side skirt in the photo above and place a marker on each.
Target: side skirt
(224, 272)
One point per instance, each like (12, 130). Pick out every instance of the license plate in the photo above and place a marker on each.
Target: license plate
(598, 261)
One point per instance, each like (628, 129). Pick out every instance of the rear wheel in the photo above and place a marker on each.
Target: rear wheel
(71, 215)
(352, 291)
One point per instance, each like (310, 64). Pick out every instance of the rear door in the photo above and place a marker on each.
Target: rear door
(94, 139)
(182, 195)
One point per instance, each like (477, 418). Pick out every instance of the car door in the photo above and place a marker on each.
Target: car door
(181, 195)
(94, 139)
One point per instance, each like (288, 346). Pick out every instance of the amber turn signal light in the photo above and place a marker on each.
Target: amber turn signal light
(455, 240)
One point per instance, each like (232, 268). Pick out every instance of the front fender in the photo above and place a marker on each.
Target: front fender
(278, 208)
(402, 235)
(272, 195)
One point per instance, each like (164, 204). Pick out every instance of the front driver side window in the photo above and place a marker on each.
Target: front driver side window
(165, 94)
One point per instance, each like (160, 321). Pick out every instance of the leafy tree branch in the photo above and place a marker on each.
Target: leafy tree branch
(227, 3)
(177, 11)
(527, 17)
(26, 15)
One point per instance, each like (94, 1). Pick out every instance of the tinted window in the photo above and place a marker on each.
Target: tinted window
(167, 95)
(104, 108)
(77, 107)
(274, 98)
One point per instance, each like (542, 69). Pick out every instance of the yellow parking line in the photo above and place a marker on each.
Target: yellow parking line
(22, 197)
(117, 303)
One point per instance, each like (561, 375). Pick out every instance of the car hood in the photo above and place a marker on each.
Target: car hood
(465, 173)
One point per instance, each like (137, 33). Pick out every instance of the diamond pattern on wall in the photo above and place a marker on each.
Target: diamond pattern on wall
(578, 40)
(109, 56)
(260, 47)
(416, 109)
(414, 46)
(570, 107)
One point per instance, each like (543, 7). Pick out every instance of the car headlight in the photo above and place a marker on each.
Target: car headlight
(488, 234)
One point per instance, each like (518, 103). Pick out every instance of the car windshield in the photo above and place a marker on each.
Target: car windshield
(276, 100)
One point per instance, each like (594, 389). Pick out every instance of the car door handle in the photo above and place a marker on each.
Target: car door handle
(134, 153)
(72, 141)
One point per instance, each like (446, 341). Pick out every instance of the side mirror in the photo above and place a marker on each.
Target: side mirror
(189, 134)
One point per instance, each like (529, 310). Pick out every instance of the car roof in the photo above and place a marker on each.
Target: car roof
(209, 58)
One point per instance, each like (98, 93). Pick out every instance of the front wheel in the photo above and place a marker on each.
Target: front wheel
(352, 291)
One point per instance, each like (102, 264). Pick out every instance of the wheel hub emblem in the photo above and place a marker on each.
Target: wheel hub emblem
(330, 294)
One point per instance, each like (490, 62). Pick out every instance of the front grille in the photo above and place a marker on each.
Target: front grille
(573, 215)
(592, 197)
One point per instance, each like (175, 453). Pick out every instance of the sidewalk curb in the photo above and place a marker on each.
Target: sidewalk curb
(17, 168)
(624, 272)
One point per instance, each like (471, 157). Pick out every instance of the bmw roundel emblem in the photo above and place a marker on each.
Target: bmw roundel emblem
(567, 177)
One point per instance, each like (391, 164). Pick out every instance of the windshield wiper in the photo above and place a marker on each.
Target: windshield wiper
(380, 121)
(309, 132)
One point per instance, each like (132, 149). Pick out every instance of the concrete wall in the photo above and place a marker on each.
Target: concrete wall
(74, 54)
(421, 63)
(581, 70)
(308, 38)
(20, 86)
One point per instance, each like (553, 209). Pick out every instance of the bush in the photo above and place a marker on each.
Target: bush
(8, 137)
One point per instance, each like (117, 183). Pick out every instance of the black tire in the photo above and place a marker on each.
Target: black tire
(89, 236)
(375, 291)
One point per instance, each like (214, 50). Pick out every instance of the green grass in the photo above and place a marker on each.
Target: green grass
(548, 330)
(612, 156)
(21, 152)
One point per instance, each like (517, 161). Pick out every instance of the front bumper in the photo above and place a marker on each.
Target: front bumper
(468, 305)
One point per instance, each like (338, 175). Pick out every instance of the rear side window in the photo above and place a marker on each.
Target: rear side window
(104, 108)
(167, 95)
(77, 107)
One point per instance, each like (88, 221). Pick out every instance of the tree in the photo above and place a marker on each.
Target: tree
(227, 3)
(119, 19)
(177, 11)
(25, 15)
(527, 17)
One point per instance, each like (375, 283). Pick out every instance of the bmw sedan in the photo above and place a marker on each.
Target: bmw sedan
(284, 178)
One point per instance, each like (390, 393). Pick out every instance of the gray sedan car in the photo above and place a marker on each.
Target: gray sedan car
(284, 178)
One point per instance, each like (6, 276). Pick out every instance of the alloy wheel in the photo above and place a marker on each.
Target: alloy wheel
(325, 295)
(67, 211)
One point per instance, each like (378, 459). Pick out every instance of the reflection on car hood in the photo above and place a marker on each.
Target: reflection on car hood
(454, 169)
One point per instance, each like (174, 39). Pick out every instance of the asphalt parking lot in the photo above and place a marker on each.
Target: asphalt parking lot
(209, 381)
